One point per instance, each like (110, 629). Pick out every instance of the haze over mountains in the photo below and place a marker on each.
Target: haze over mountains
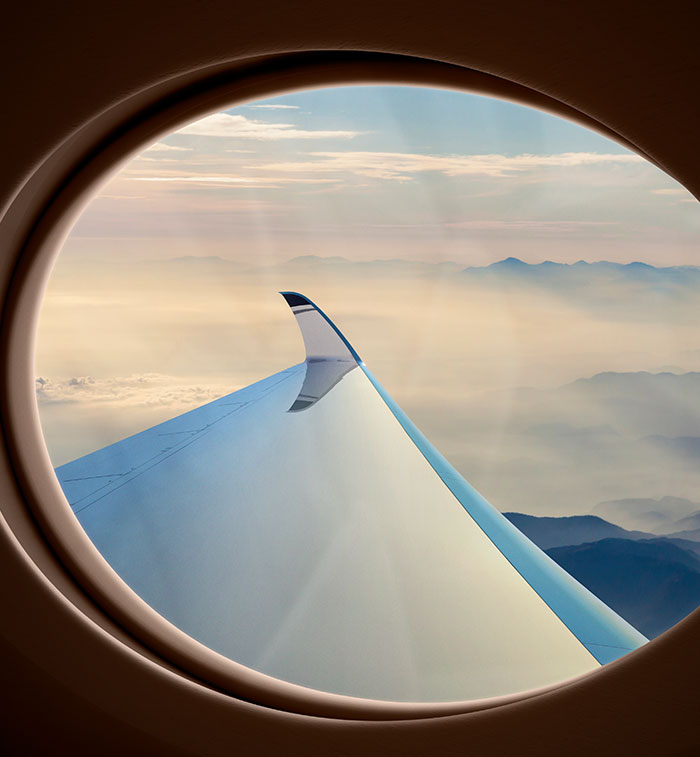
(512, 266)
(514, 270)
(583, 272)
(547, 272)
(548, 532)
(555, 389)
(638, 290)
(609, 437)
(579, 387)
(660, 516)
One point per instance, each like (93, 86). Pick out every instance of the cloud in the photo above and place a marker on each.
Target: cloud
(240, 127)
(553, 226)
(274, 107)
(162, 147)
(681, 193)
(246, 182)
(502, 225)
(137, 390)
(399, 166)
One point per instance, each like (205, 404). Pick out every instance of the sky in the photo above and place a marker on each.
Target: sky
(382, 172)
(165, 294)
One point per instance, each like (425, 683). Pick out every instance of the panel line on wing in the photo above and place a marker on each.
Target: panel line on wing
(260, 389)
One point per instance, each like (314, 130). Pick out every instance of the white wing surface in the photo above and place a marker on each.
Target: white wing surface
(304, 527)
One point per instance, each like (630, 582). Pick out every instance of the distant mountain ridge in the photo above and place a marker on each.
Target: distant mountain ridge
(508, 267)
(692, 535)
(548, 532)
(613, 378)
(551, 531)
(512, 264)
(651, 581)
(652, 585)
(658, 411)
(516, 266)
(509, 270)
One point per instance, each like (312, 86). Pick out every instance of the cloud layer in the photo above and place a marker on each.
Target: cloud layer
(270, 106)
(264, 182)
(400, 166)
(162, 147)
(144, 390)
(240, 127)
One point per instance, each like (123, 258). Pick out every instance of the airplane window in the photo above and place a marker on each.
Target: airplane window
(250, 323)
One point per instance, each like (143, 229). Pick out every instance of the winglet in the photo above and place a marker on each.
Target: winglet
(322, 338)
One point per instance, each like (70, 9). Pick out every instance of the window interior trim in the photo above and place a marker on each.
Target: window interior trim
(48, 205)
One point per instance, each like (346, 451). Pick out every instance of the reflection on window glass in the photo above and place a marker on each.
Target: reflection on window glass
(522, 290)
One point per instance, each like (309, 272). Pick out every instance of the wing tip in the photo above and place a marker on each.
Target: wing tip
(297, 300)
(294, 299)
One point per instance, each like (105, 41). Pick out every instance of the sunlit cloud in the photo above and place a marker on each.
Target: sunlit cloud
(136, 390)
(674, 192)
(273, 107)
(162, 147)
(399, 166)
(202, 179)
(240, 127)
(681, 193)
(264, 182)
(502, 225)
(552, 226)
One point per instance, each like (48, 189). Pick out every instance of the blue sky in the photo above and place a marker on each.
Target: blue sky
(386, 172)
(433, 120)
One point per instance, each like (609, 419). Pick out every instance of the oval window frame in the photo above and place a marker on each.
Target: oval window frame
(78, 168)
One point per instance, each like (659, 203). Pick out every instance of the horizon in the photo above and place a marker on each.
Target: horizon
(428, 262)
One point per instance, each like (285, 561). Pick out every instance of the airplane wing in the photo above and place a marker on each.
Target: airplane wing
(304, 527)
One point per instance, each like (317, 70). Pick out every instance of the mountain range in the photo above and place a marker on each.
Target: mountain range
(651, 585)
(651, 581)
(548, 269)
(514, 267)
(600, 439)
(508, 268)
